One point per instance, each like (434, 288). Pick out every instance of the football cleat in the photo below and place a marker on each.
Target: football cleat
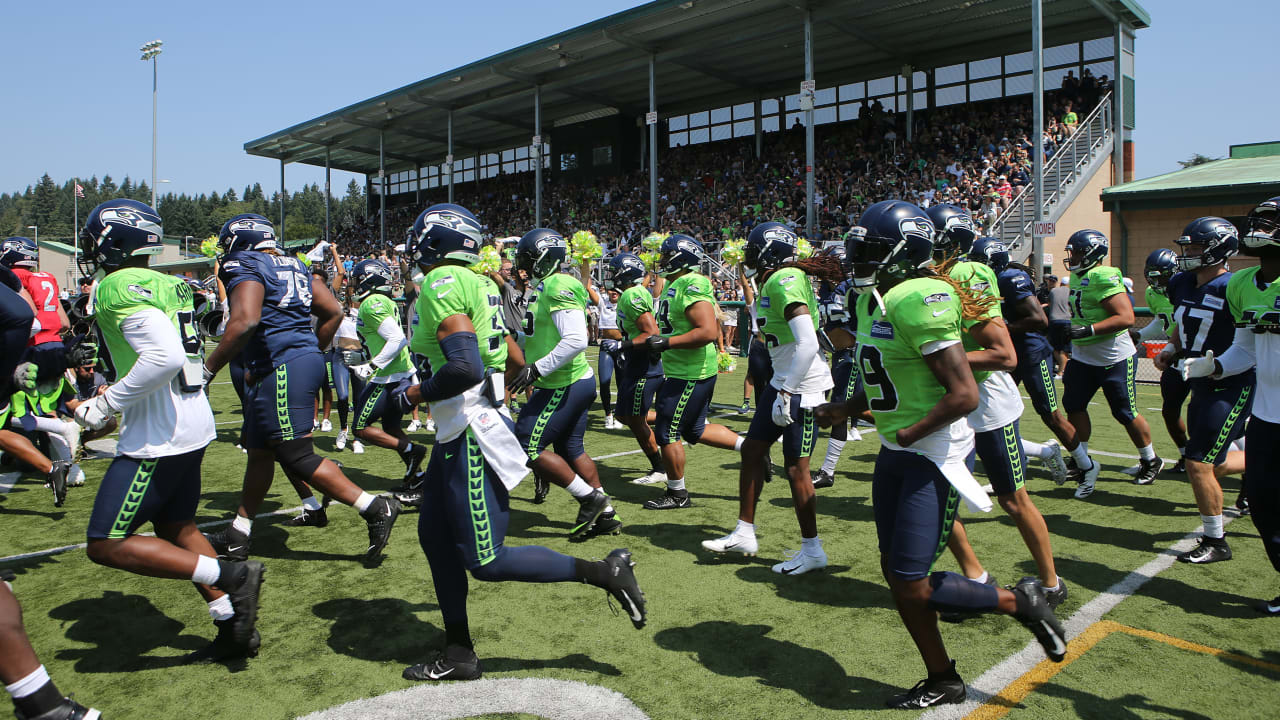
(244, 588)
(1035, 614)
(75, 477)
(1055, 463)
(1242, 503)
(308, 518)
(1179, 467)
(670, 500)
(326, 426)
(1269, 608)
(654, 477)
(341, 442)
(380, 516)
(944, 690)
(799, 562)
(58, 481)
(1055, 597)
(607, 524)
(624, 588)
(230, 544)
(733, 543)
(953, 616)
(823, 479)
(429, 425)
(1208, 550)
(1147, 471)
(540, 489)
(590, 507)
(414, 426)
(68, 709)
(224, 646)
(746, 408)
(1088, 478)
(357, 447)
(455, 663)
(413, 461)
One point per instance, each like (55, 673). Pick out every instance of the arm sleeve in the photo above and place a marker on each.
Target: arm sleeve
(1241, 355)
(462, 368)
(390, 331)
(572, 325)
(160, 356)
(805, 351)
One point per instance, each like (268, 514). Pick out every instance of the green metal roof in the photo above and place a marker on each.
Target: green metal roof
(1251, 170)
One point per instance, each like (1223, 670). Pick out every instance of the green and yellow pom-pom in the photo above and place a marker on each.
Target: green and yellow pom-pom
(650, 260)
(489, 261)
(209, 247)
(584, 247)
(303, 257)
(653, 241)
(727, 363)
(804, 249)
(732, 253)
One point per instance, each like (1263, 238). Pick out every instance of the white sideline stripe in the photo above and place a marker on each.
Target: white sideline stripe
(8, 480)
(993, 681)
(543, 697)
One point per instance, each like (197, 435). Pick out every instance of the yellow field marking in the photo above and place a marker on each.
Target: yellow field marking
(1017, 691)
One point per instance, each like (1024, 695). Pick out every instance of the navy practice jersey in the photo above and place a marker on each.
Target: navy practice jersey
(1015, 286)
(284, 332)
(1203, 320)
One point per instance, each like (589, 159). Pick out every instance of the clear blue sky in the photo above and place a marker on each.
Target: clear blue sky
(80, 98)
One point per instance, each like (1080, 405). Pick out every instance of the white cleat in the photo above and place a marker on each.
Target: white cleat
(326, 426)
(71, 435)
(341, 444)
(799, 562)
(1056, 463)
(853, 435)
(732, 543)
(653, 478)
(1085, 488)
(75, 478)
(430, 426)
(414, 426)
(357, 447)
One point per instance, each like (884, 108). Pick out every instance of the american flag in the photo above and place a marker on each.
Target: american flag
(79, 191)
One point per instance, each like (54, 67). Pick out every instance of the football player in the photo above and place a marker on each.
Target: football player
(1159, 269)
(831, 307)
(919, 389)
(148, 323)
(45, 348)
(788, 320)
(1102, 355)
(1219, 407)
(606, 303)
(272, 297)
(34, 695)
(477, 458)
(687, 342)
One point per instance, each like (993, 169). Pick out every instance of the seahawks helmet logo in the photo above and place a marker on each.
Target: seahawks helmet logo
(454, 222)
(546, 242)
(687, 246)
(779, 235)
(268, 232)
(916, 227)
(959, 221)
(125, 216)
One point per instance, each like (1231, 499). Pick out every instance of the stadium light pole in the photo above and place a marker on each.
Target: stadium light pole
(810, 210)
(327, 191)
(151, 51)
(1037, 112)
(653, 144)
(36, 236)
(280, 230)
(537, 155)
(382, 190)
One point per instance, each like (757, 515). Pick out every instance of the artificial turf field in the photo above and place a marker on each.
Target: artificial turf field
(726, 638)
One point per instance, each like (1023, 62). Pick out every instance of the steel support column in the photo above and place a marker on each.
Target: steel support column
(1037, 129)
(759, 130)
(537, 155)
(1117, 107)
(280, 230)
(810, 207)
(653, 147)
(911, 101)
(449, 157)
(382, 187)
(328, 190)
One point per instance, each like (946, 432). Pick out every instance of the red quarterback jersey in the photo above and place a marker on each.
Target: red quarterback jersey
(43, 288)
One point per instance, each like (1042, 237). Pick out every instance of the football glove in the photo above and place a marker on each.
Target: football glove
(1198, 367)
(657, 344)
(613, 347)
(24, 376)
(781, 410)
(525, 378)
(363, 371)
(1079, 332)
(94, 414)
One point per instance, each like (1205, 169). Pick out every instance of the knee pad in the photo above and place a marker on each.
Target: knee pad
(299, 457)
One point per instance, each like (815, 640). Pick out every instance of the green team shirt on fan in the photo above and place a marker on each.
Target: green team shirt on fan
(374, 310)
(131, 290)
(981, 281)
(1162, 309)
(634, 302)
(455, 290)
(900, 387)
(557, 292)
(1087, 293)
(681, 294)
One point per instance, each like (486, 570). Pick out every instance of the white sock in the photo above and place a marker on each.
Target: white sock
(363, 502)
(811, 546)
(744, 529)
(1081, 456)
(607, 508)
(311, 503)
(677, 484)
(207, 571)
(1212, 526)
(29, 684)
(1055, 588)
(737, 444)
(1035, 449)
(834, 449)
(1147, 452)
(1182, 451)
(983, 578)
(579, 487)
(221, 609)
(243, 524)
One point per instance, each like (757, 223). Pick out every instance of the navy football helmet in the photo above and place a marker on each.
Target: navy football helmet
(1216, 238)
(1160, 268)
(836, 251)
(625, 270)
(677, 253)
(990, 252)
(371, 276)
(769, 245)
(953, 229)
(540, 252)
(892, 237)
(249, 231)
(1262, 229)
(444, 232)
(116, 231)
(19, 252)
(1091, 247)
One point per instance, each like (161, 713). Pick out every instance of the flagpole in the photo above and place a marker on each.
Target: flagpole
(75, 228)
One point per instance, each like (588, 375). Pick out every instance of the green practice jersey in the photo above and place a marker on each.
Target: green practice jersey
(1087, 293)
(557, 292)
(784, 287)
(1252, 306)
(634, 302)
(374, 310)
(454, 290)
(131, 290)
(680, 295)
(981, 281)
(900, 387)
(1162, 309)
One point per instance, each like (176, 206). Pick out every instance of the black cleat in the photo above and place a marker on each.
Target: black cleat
(308, 518)
(624, 588)
(244, 587)
(746, 407)
(607, 524)
(670, 500)
(945, 689)
(58, 481)
(823, 479)
(1035, 615)
(413, 462)
(1209, 550)
(1055, 597)
(953, 616)
(230, 544)
(1179, 467)
(590, 507)
(224, 647)
(1242, 503)
(68, 709)
(540, 489)
(409, 498)
(1148, 470)
(455, 663)
(380, 516)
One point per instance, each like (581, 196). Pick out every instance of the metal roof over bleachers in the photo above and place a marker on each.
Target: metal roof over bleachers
(706, 52)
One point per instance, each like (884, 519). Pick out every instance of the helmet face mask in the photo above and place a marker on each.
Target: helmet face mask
(990, 252)
(1262, 229)
(371, 276)
(625, 270)
(1215, 239)
(954, 230)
